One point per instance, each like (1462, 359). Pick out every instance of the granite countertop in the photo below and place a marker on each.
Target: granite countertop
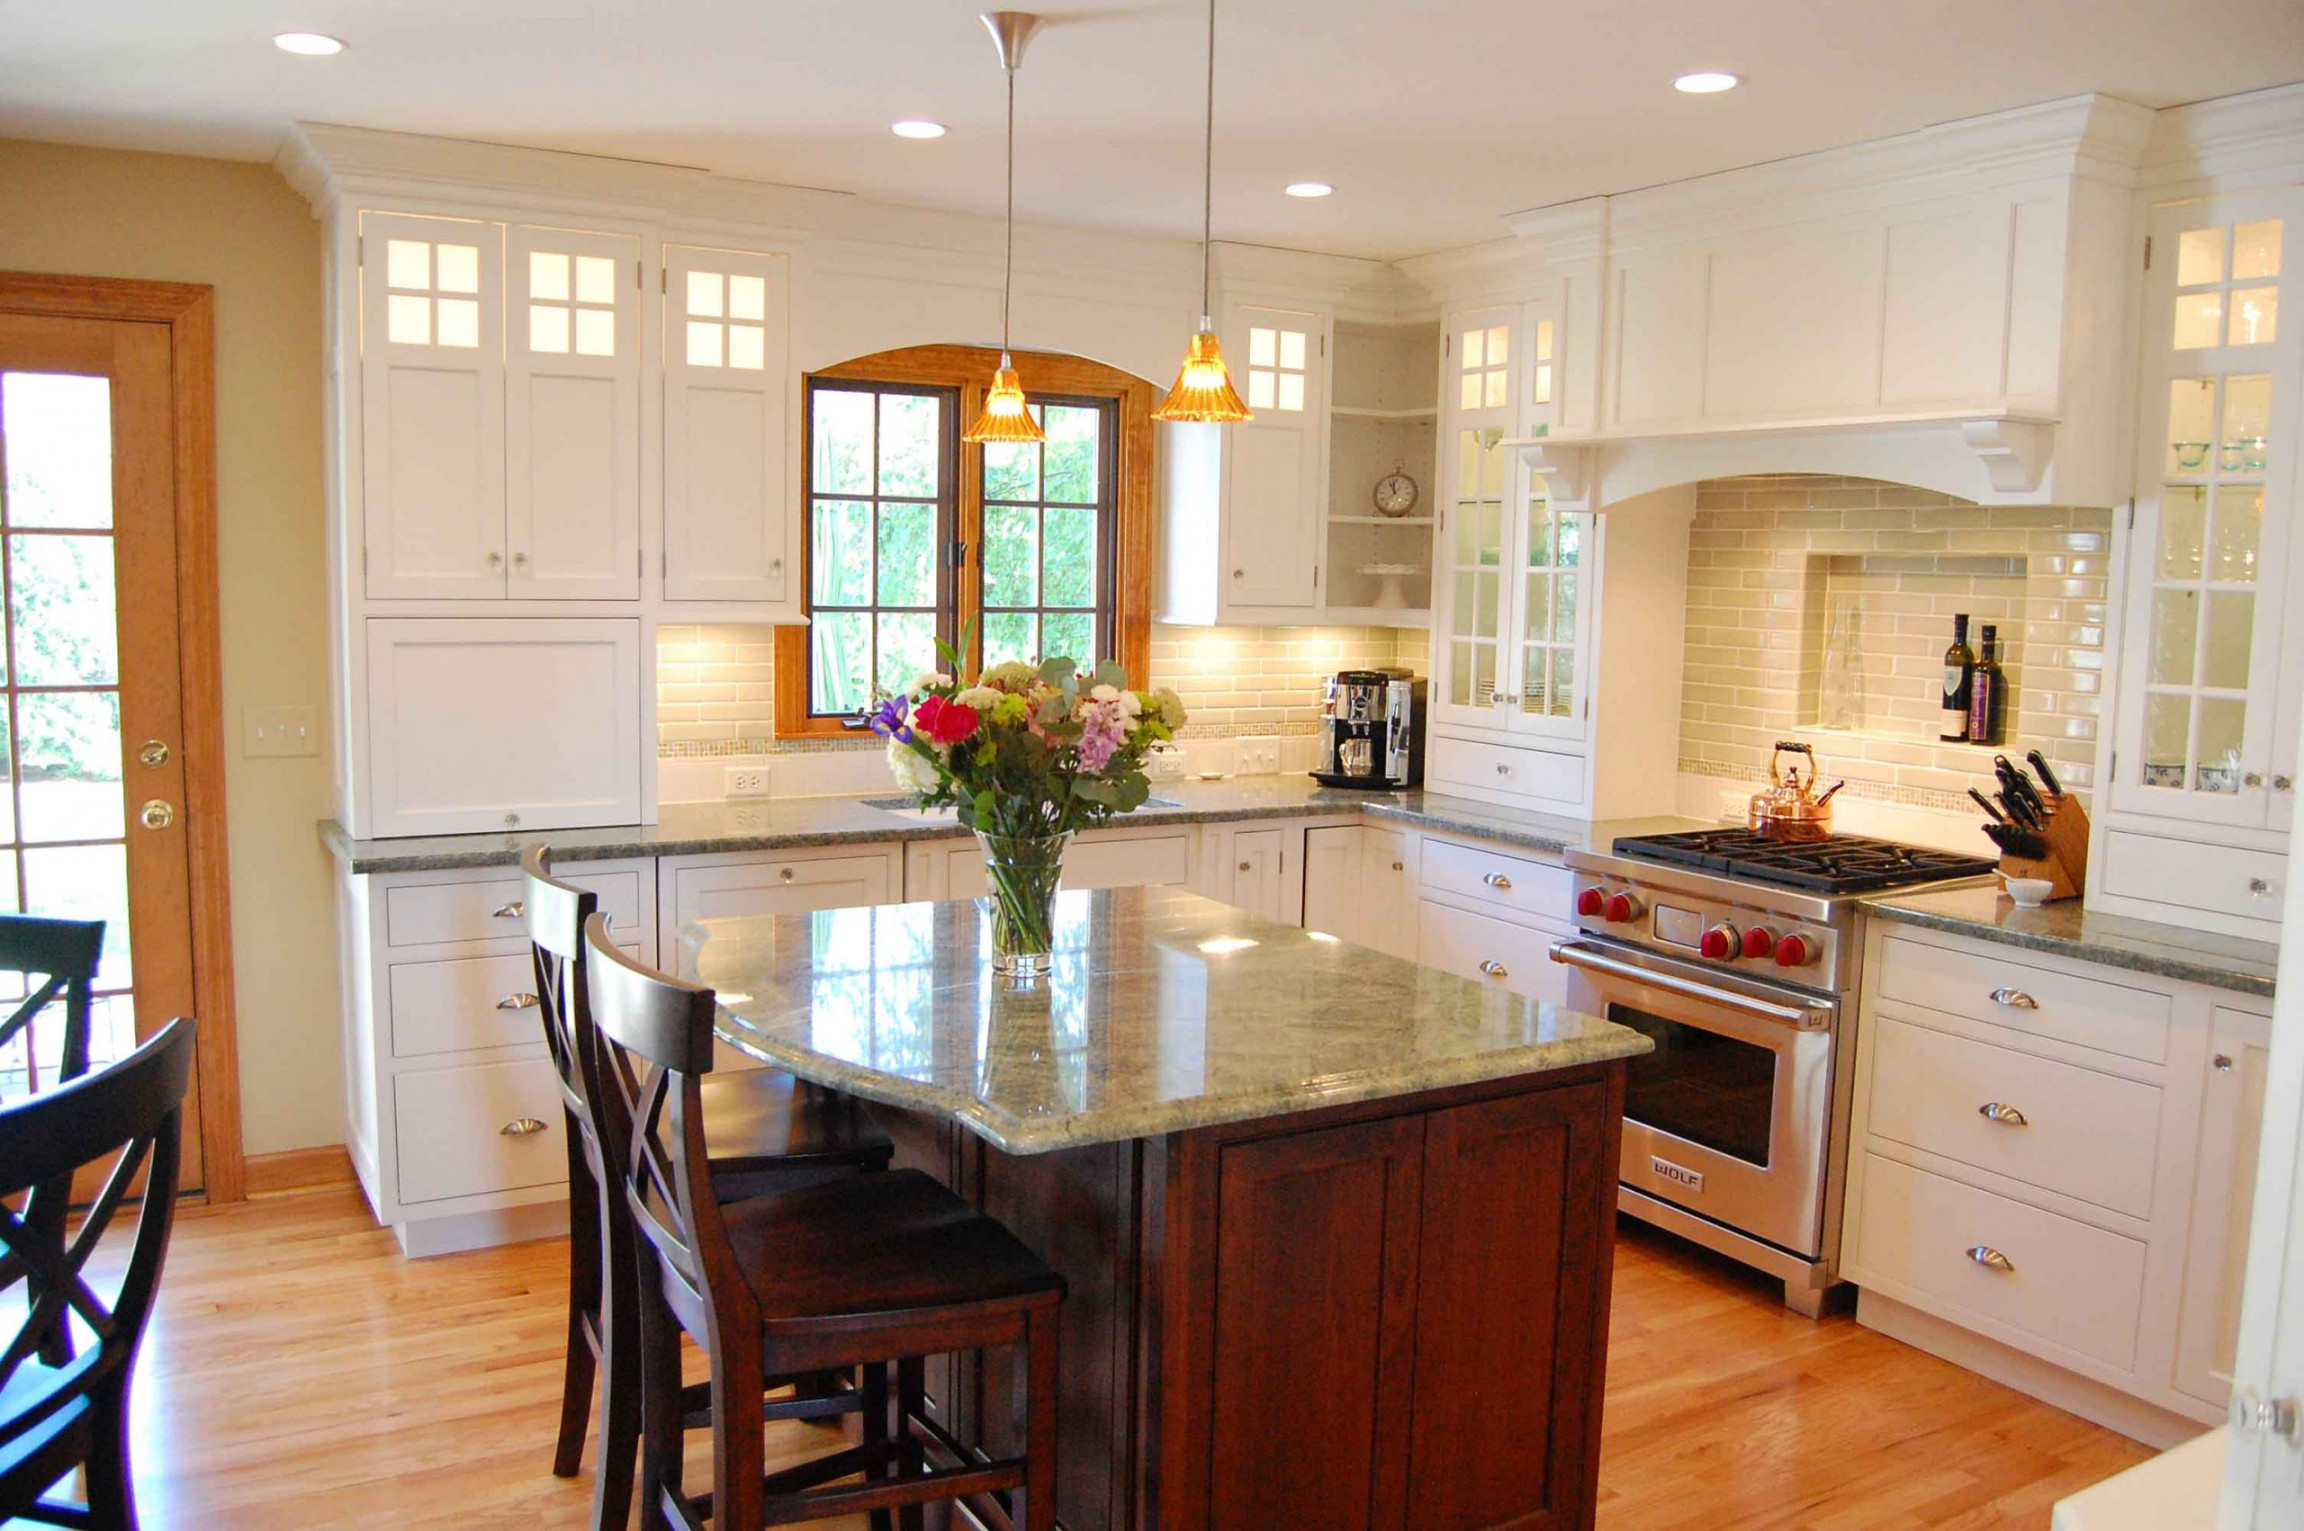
(769, 824)
(2065, 929)
(1165, 1012)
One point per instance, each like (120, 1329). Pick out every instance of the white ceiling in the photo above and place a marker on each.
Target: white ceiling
(1433, 119)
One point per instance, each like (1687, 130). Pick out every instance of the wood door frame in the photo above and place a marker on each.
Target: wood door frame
(189, 311)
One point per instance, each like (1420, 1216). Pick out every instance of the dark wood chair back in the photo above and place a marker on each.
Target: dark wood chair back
(60, 1416)
(655, 1034)
(556, 914)
(56, 957)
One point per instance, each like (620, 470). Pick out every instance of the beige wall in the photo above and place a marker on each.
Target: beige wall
(239, 228)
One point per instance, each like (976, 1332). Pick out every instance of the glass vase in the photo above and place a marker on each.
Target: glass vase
(1022, 871)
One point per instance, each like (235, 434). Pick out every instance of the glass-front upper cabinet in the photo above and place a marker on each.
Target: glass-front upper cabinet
(2208, 720)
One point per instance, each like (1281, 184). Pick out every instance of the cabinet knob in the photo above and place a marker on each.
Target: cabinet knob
(2259, 886)
(1239, 573)
(2283, 784)
(521, 1127)
(1399, 866)
(1243, 866)
(2014, 999)
(775, 566)
(1494, 969)
(2252, 778)
(517, 909)
(1498, 881)
(2006, 1116)
(1991, 1259)
(520, 560)
(783, 874)
(495, 559)
(2222, 1062)
(2254, 1414)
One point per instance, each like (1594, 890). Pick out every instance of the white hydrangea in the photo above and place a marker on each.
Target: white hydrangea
(1129, 703)
(912, 772)
(981, 698)
(927, 680)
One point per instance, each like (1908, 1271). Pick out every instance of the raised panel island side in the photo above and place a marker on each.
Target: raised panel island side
(1337, 1229)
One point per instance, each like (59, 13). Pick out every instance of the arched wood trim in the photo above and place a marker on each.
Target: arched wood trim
(969, 369)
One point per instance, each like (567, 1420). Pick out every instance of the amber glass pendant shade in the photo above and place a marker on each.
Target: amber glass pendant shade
(1005, 416)
(1203, 390)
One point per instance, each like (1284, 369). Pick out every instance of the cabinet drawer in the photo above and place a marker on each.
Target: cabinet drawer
(449, 913)
(2088, 1012)
(781, 886)
(2221, 879)
(1514, 956)
(1513, 883)
(1135, 861)
(2084, 1134)
(1480, 769)
(452, 1133)
(2073, 1286)
(464, 1003)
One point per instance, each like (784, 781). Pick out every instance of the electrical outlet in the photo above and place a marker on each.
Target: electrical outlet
(745, 781)
(1259, 757)
(275, 732)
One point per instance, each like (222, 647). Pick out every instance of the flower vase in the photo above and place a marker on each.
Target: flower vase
(1023, 871)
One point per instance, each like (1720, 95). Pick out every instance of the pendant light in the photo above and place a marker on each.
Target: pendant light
(1005, 416)
(1203, 391)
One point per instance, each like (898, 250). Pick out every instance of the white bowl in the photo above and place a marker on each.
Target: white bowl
(2030, 892)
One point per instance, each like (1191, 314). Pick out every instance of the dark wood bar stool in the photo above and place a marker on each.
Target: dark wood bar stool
(764, 1130)
(56, 1417)
(865, 1272)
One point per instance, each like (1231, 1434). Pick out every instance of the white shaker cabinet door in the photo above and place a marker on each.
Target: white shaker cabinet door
(572, 416)
(729, 531)
(1275, 463)
(2223, 1197)
(509, 724)
(432, 406)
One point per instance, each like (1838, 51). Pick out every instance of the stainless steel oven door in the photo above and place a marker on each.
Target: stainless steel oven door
(1730, 1116)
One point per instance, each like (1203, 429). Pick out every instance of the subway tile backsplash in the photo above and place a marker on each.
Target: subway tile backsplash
(1773, 560)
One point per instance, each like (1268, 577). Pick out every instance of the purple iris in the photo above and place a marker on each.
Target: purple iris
(888, 720)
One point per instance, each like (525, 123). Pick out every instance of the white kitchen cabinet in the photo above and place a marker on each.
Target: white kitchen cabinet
(480, 724)
(432, 406)
(1512, 955)
(1256, 867)
(2223, 1197)
(747, 884)
(1360, 885)
(1275, 464)
(729, 531)
(1096, 858)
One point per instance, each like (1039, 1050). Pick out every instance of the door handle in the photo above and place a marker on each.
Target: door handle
(157, 814)
(1803, 1015)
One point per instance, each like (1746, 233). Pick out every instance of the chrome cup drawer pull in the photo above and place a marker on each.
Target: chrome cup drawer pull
(518, 1002)
(517, 909)
(1493, 968)
(1498, 881)
(521, 1127)
(1991, 1259)
(2006, 1116)
(2014, 999)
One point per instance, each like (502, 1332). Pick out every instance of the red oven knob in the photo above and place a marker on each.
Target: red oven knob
(1621, 908)
(1794, 952)
(1720, 943)
(1759, 941)
(1590, 902)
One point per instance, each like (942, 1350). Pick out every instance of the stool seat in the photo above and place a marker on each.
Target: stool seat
(896, 1246)
(766, 1119)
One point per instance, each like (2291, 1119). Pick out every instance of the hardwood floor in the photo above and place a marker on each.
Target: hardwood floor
(301, 1373)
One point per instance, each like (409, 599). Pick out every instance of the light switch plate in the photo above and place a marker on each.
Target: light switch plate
(1259, 757)
(274, 732)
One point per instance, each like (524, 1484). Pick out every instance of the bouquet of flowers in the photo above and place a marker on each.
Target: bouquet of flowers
(1025, 756)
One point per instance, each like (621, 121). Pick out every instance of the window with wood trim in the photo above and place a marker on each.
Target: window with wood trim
(913, 535)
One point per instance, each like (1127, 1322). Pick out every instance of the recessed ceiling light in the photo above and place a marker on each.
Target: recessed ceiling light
(1706, 82)
(309, 44)
(917, 127)
(1309, 188)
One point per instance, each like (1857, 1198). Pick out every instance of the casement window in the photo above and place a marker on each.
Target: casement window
(913, 536)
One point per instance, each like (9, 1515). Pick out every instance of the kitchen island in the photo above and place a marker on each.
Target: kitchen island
(1337, 1229)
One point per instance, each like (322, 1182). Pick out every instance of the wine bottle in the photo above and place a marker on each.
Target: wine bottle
(1959, 678)
(1988, 694)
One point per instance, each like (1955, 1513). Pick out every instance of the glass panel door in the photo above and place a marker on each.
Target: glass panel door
(1474, 561)
(1476, 592)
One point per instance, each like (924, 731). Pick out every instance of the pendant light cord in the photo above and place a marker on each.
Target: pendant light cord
(1208, 169)
(1008, 272)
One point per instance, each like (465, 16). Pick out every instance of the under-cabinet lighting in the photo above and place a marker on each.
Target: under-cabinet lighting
(308, 44)
(1309, 188)
(1706, 82)
(917, 127)
(1224, 946)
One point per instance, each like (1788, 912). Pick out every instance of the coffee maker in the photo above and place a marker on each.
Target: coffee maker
(1372, 731)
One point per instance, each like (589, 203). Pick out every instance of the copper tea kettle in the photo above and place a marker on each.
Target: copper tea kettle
(1792, 808)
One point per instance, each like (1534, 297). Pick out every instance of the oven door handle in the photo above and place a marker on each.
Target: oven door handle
(1805, 1015)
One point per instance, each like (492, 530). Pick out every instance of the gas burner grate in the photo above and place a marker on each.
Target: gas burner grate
(1837, 864)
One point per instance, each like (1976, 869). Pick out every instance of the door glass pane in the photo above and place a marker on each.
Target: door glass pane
(2231, 623)
(2167, 739)
(2175, 634)
(2255, 316)
(2247, 423)
(906, 554)
(2255, 250)
(2223, 722)
(59, 434)
(2239, 525)
(2199, 321)
(2191, 424)
(2199, 256)
(2183, 530)
(60, 595)
(69, 766)
(85, 882)
(1710, 1089)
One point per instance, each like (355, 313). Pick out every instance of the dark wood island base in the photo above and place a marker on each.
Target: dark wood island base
(1389, 1314)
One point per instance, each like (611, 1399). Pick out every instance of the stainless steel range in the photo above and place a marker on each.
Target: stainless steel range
(1737, 954)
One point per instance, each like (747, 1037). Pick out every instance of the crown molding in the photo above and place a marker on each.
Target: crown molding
(2248, 137)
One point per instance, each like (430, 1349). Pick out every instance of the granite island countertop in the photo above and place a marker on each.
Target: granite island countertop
(792, 823)
(1166, 1011)
(2065, 929)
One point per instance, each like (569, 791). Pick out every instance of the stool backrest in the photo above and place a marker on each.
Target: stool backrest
(130, 1113)
(556, 914)
(55, 957)
(655, 1034)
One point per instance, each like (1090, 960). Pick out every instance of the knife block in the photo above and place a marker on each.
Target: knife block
(2066, 864)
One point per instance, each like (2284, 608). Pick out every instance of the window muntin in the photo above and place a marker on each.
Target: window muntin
(433, 293)
(727, 320)
(1046, 562)
(1277, 359)
(571, 303)
(1484, 367)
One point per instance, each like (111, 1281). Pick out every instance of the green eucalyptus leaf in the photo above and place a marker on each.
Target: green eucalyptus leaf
(1056, 672)
(1111, 673)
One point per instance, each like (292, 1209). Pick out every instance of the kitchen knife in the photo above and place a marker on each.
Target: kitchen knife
(2047, 777)
(2019, 785)
(2020, 813)
(2017, 842)
(1990, 809)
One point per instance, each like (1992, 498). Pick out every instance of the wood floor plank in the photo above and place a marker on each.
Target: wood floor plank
(301, 1373)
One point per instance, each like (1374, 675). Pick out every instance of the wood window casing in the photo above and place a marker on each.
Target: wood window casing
(1046, 378)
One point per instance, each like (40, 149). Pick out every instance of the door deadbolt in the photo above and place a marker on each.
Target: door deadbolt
(157, 814)
(154, 753)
